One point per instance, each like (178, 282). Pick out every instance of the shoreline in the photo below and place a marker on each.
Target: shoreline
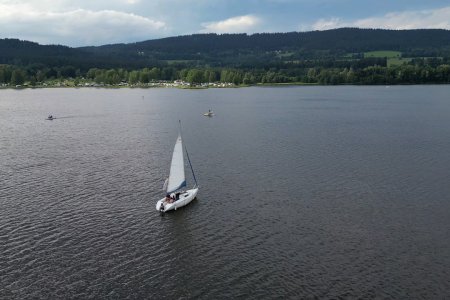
(143, 86)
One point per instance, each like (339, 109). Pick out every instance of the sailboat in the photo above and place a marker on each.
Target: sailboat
(176, 197)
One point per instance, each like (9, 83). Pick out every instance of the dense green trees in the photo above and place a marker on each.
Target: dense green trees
(415, 72)
(241, 51)
(17, 77)
(335, 42)
(320, 57)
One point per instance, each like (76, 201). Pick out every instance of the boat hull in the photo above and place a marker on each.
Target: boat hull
(184, 199)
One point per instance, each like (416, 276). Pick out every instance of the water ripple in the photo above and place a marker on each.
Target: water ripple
(325, 193)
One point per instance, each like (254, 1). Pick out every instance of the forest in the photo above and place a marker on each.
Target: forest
(338, 56)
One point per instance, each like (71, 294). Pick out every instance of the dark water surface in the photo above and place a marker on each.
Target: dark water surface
(327, 192)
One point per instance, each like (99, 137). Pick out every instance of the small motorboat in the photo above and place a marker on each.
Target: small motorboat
(50, 118)
(210, 113)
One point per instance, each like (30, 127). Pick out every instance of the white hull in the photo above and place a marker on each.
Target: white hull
(185, 198)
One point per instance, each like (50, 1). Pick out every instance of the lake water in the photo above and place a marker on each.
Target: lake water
(305, 192)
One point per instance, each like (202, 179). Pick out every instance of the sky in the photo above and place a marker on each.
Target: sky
(78, 23)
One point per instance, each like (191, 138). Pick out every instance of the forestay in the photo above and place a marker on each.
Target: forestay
(176, 178)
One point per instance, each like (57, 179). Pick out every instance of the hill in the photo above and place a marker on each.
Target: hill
(232, 49)
(343, 39)
(24, 53)
(345, 55)
(225, 49)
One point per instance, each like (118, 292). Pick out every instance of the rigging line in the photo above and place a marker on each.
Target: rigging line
(192, 169)
(189, 160)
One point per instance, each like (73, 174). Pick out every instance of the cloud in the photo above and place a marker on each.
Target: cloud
(75, 27)
(238, 24)
(324, 24)
(437, 18)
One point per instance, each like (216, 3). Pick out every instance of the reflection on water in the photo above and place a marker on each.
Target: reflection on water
(328, 192)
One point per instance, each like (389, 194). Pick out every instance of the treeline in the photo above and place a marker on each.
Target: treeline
(416, 72)
(342, 39)
(335, 56)
(403, 74)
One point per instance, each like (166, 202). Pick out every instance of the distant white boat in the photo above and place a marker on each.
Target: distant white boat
(176, 197)
(210, 113)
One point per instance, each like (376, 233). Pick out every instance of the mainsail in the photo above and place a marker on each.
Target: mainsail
(176, 177)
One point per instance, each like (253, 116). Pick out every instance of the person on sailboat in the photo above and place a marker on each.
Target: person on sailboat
(173, 197)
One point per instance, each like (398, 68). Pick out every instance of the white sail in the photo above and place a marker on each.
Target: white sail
(176, 178)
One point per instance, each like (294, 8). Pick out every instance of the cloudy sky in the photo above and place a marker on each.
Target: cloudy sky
(97, 22)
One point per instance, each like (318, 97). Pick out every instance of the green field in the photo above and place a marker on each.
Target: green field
(394, 58)
(387, 54)
(397, 61)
